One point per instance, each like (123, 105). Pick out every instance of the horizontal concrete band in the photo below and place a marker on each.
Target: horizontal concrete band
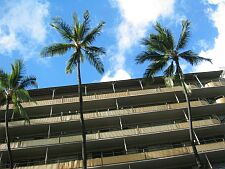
(219, 146)
(112, 134)
(105, 114)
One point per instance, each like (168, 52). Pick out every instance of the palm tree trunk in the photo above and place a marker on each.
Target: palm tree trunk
(191, 131)
(83, 129)
(7, 134)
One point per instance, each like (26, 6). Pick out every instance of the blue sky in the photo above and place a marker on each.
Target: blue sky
(25, 29)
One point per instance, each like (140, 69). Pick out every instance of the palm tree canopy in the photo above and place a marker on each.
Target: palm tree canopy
(13, 87)
(78, 37)
(164, 54)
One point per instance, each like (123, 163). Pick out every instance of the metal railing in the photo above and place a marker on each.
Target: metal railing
(109, 135)
(126, 157)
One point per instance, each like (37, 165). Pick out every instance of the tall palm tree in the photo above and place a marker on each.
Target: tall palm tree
(164, 55)
(13, 91)
(78, 38)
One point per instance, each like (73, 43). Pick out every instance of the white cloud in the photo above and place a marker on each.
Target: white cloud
(217, 51)
(119, 75)
(136, 16)
(23, 26)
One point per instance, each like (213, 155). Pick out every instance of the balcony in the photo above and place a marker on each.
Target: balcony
(109, 135)
(105, 114)
(145, 158)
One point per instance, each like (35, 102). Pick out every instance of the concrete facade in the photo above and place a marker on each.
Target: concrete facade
(131, 124)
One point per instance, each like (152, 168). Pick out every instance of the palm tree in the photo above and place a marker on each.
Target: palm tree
(79, 38)
(164, 55)
(13, 91)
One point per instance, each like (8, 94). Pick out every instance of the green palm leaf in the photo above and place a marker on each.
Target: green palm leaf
(3, 79)
(184, 36)
(90, 36)
(27, 81)
(64, 29)
(16, 75)
(56, 49)
(192, 57)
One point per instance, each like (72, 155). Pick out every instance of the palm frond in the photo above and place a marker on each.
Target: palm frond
(90, 36)
(63, 28)
(16, 75)
(27, 81)
(154, 68)
(169, 81)
(94, 59)
(2, 98)
(18, 108)
(184, 36)
(169, 72)
(56, 49)
(3, 79)
(84, 27)
(156, 43)
(96, 50)
(22, 95)
(72, 63)
(165, 36)
(193, 58)
(2, 101)
(148, 56)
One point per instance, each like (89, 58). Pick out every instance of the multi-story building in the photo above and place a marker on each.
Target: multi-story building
(131, 124)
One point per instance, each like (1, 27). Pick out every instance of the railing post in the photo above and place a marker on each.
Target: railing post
(53, 94)
(125, 145)
(1, 157)
(141, 84)
(198, 80)
(117, 105)
(85, 89)
(12, 117)
(185, 116)
(51, 111)
(113, 87)
(176, 98)
(121, 124)
(49, 131)
(46, 155)
(210, 165)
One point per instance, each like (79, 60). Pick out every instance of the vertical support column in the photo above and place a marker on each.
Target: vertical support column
(1, 155)
(46, 155)
(53, 94)
(12, 117)
(186, 117)
(117, 105)
(210, 165)
(113, 87)
(125, 145)
(121, 124)
(141, 84)
(49, 131)
(85, 89)
(176, 98)
(51, 110)
(124, 141)
(198, 81)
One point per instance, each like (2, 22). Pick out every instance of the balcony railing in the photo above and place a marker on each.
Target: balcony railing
(109, 113)
(102, 96)
(111, 134)
(144, 156)
(112, 95)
